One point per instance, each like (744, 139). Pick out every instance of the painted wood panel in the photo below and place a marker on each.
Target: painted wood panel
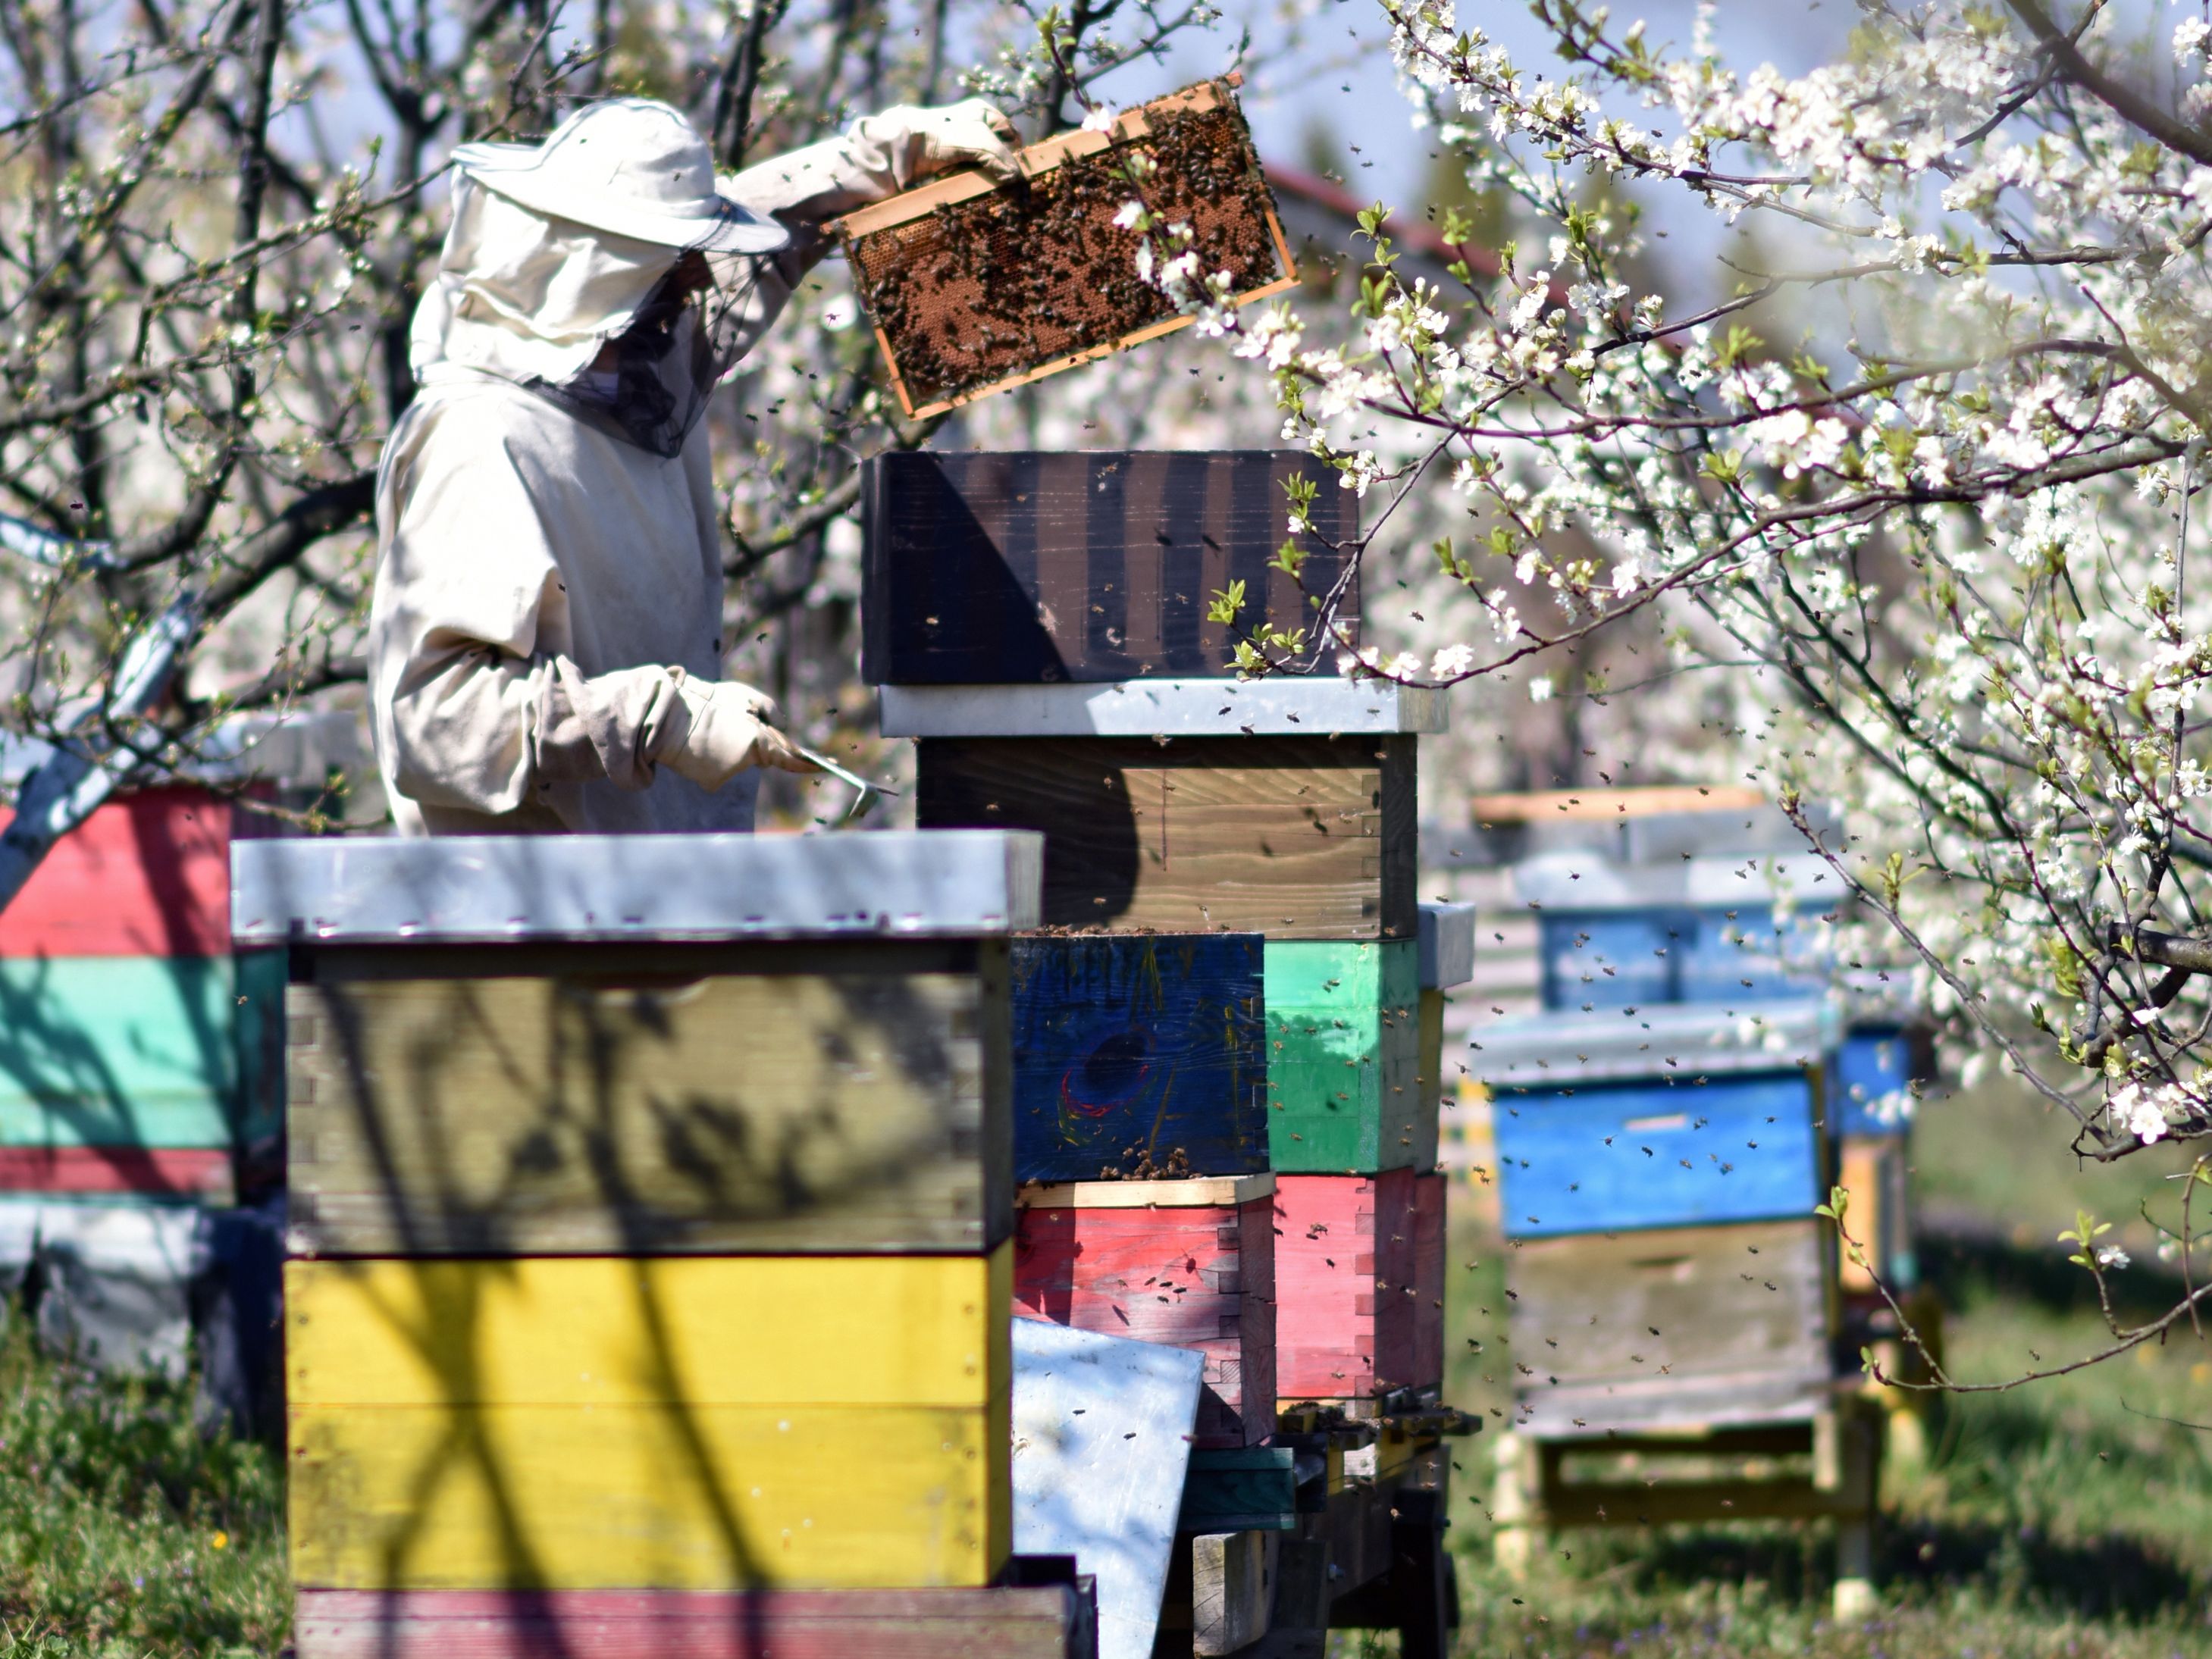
(1432, 1192)
(122, 1051)
(1293, 837)
(1691, 1323)
(1133, 1053)
(145, 876)
(639, 1099)
(1193, 1275)
(1872, 1168)
(1344, 1290)
(1698, 1151)
(676, 1495)
(598, 1424)
(1030, 567)
(1343, 1057)
(1236, 1489)
(197, 1172)
(604, 1332)
(1000, 1622)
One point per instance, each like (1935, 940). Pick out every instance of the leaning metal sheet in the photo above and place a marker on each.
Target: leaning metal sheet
(914, 883)
(1102, 1448)
(1317, 705)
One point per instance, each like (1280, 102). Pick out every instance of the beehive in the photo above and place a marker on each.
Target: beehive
(654, 1195)
(975, 286)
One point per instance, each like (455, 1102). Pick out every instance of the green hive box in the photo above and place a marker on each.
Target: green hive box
(1345, 1093)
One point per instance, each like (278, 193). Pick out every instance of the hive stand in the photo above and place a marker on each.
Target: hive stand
(1634, 920)
(1675, 1310)
(576, 1123)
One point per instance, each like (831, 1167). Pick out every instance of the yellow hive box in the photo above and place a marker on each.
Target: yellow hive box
(675, 1423)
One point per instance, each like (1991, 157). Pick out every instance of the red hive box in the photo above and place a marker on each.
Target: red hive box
(1188, 1263)
(1429, 1279)
(1346, 1254)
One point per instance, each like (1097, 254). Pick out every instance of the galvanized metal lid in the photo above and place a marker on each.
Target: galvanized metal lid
(1678, 1040)
(380, 890)
(1590, 881)
(1314, 706)
(1447, 946)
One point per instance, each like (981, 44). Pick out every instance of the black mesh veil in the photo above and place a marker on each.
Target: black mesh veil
(650, 384)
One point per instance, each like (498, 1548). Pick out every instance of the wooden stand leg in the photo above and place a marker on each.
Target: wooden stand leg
(1854, 1598)
(1421, 1585)
(1515, 1502)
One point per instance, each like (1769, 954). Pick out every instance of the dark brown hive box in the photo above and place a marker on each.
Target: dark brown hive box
(1022, 567)
(976, 286)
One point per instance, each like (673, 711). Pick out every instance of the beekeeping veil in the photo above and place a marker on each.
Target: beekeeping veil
(600, 270)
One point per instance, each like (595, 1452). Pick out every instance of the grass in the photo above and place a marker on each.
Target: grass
(2070, 1517)
(123, 1531)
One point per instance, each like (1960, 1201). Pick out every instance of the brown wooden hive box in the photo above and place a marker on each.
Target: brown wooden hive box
(1293, 837)
(647, 1099)
(999, 568)
(975, 286)
(1672, 1327)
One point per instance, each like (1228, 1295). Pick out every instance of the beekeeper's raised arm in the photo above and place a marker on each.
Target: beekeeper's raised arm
(545, 638)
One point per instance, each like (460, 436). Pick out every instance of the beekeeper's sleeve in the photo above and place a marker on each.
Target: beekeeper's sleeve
(482, 711)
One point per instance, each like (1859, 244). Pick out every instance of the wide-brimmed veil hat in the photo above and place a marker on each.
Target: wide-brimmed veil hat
(630, 166)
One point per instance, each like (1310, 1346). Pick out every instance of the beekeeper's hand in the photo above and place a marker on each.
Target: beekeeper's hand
(919, 143)
(728, 729)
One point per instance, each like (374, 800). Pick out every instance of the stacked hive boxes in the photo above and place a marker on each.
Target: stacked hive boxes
(131, 1054)
(1696, 931)
(1658, 1171)
(652, 1242)
(1237, 859)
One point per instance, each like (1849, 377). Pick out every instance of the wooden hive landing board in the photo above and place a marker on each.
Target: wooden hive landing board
(1007, 569)
(1677, 1324)
(1292, 837)
(1194, 1275)
(1343, 1087)
(1133, 1053)
(1345, 1248)
(992, 1623)
(601, 1423)
(634, 1099)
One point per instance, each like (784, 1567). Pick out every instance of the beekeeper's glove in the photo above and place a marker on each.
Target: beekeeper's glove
(728, 729)
(914, 143)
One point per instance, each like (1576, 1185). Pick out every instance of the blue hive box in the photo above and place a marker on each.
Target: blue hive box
(1672, 1117)
(1138, 1055)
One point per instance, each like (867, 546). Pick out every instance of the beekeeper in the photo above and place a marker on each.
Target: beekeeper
(546, 639)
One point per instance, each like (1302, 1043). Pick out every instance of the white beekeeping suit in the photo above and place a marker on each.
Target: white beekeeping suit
(546, 639)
